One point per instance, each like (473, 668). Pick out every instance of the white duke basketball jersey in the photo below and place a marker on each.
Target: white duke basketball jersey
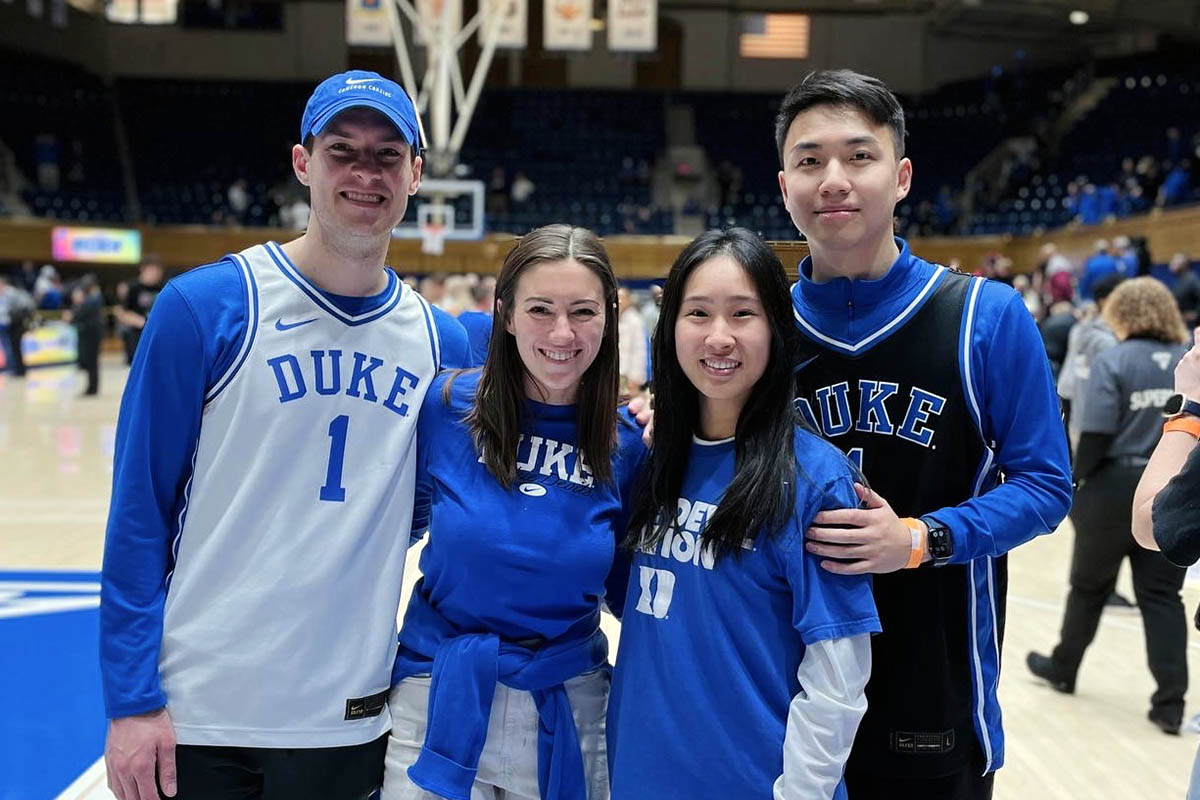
(280, 620)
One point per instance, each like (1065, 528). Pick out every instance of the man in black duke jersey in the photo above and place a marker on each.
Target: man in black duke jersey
(923, 376)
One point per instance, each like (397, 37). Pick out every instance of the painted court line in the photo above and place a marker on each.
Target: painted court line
(1107, 619)
(91, 785)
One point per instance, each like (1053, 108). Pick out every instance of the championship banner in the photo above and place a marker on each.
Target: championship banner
(447, 12)
(367, 23)
(633, 25)
(567, 24)
(513, 26)
(159, 12)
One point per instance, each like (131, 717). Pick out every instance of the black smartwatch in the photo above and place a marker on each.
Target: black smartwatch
(1179, 405)
(939, 543)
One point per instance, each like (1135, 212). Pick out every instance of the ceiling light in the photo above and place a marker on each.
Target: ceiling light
(1078, 17)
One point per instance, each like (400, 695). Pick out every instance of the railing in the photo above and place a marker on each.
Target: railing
(182, 247)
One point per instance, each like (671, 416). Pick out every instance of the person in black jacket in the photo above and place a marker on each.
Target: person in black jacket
(1120, 424)
(139, 297)
(1187, 288)
(87, 313)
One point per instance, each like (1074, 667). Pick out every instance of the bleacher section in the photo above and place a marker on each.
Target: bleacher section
(589, 153)
(192, 139)
(1129, 122)
(58, 122)
(580, 149)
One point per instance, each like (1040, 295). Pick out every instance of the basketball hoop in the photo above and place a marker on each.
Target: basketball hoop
(433, 239)
(434, 221)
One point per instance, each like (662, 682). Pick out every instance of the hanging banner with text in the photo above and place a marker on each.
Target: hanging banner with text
(437, 13)
(567, 24)
(633, 25)
(513, 26)
(367, 23)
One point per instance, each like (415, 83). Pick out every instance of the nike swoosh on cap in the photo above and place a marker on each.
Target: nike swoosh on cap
(356, 81)
(280, 325)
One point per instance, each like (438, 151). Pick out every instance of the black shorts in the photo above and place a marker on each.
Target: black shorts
(969, 784)
(323, 773)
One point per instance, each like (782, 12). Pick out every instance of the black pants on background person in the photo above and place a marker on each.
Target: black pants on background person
(89, 359)
(16, 329)
(129, 338)
(323, 773)
(1103, 507)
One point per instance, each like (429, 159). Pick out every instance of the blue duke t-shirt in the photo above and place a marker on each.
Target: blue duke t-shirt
(529, 562)
(707, 665)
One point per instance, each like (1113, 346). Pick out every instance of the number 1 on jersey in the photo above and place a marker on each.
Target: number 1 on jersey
(333, 491)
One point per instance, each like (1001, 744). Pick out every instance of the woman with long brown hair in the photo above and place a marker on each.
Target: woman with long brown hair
(501, 682)
(1120, 412)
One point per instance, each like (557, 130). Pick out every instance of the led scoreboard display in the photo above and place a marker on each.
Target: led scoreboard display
(96, 245)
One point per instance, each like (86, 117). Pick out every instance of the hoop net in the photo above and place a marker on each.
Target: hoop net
(434, 220)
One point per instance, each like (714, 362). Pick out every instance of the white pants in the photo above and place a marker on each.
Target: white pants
(508, 765)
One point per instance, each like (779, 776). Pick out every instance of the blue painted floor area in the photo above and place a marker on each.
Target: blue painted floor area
(52, 722)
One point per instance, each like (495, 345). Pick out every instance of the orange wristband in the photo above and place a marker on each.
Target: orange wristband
(917, 532)
(1186, 424)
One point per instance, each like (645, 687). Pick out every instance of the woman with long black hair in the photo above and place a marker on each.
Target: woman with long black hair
(742, 663)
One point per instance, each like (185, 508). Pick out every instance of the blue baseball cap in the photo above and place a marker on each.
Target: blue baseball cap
(361, 89)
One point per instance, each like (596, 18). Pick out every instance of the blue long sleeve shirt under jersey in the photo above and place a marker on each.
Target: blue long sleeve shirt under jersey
(191, 338)
(1018, 411)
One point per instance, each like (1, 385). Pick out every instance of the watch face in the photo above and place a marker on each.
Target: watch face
(1174, 405)
(940, 544)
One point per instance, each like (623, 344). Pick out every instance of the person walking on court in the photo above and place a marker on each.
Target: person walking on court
(87, 314)
(923, 376)
(19, 306)
(1121, 421)
(502, 675)
(263, 488)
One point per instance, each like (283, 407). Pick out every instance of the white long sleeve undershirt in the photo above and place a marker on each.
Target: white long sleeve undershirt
(823, 717)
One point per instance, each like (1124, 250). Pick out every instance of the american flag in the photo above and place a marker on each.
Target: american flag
(774, 36)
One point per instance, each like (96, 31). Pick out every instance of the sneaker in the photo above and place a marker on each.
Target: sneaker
(1167, 720)
(1119, 602)
(1045, 668)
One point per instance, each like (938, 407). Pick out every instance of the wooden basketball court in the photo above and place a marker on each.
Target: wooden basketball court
(55, 477)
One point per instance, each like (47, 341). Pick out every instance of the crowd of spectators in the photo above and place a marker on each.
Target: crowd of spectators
(32, 296)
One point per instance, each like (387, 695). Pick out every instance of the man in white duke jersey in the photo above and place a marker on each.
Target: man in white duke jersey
(263, 488)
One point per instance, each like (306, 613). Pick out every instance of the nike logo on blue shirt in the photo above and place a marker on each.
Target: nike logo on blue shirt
(280, 325)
